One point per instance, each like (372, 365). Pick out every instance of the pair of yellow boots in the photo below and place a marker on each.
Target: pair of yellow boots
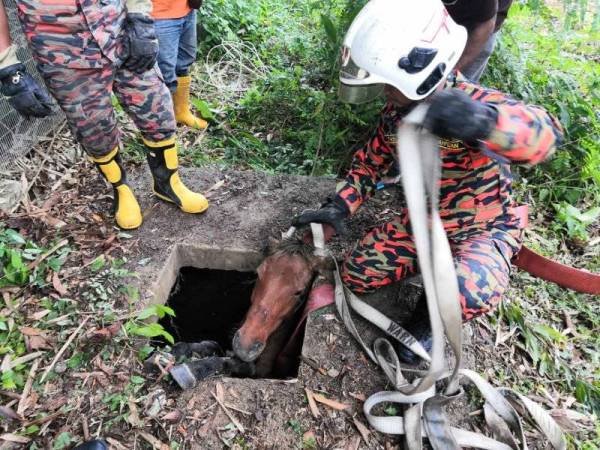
(163, 162)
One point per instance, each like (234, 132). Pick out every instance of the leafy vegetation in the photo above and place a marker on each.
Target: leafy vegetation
(137, 326)
(551, 60)
(286, 117)
(23, 262)
(288, 120)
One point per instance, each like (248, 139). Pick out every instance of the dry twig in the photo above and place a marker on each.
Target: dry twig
(63, 348)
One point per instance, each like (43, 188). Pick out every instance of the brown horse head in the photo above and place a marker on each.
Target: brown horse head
(284, 279)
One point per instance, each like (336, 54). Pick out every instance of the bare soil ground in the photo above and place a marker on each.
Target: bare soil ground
(79, 317)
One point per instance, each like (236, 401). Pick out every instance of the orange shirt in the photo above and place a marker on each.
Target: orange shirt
(170, 9)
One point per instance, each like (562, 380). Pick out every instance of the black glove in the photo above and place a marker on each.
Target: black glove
(142, 42)
(333, 212)
(24, 93)
(453, 114)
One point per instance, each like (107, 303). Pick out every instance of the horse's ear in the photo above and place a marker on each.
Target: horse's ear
(323, 263)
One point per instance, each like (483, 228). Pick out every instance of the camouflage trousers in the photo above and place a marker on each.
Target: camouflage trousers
(85, 97)
(482, 258)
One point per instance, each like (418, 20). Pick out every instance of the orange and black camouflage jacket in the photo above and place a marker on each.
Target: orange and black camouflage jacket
(475, 186)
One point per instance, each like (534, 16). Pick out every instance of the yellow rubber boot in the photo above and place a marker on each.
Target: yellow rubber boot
(126, 208)
(163, 162)
(181, 105)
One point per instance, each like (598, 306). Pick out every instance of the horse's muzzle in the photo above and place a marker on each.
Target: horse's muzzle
(247, 354)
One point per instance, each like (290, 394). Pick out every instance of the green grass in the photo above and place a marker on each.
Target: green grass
(289, 120)
(544, 63)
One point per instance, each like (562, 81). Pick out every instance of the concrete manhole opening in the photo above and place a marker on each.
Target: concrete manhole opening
(210, 289)
(209, 304)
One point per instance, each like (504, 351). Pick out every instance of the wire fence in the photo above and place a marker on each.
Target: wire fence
(18, 135)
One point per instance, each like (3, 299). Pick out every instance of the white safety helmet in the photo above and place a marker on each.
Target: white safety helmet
(411, 45)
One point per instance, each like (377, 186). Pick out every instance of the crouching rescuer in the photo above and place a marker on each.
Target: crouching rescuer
(407, 51)
(86, 51)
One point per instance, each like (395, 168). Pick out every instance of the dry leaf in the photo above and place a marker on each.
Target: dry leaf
(38, 343)
(314, 409)
(362, 429)
(8, 364)
(219, 392)
(216, 186)
(333, 373)
(219, 389)
(560, 415)
(15, 438)
(8, 413)
(173, 416)
(358, 396)
(134, 417)
(58, 286)
(567, 419)
(331, 403)
(28, 331)
(55, 402)
(106, 333)
(309, 436)
(116, 444)
(153, 441)
(233, 393)
(103, 367)
(39, 315)
(353, 444)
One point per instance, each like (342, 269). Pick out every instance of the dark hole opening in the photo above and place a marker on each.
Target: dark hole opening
(211, 304)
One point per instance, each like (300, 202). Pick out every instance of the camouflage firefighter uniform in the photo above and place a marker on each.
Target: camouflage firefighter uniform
(79, 48)
(87, 50)
(476, 202)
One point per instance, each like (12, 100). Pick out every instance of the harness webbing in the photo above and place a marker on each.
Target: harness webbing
(424, 417)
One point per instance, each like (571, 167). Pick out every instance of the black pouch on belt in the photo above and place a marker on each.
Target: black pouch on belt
(195, 4)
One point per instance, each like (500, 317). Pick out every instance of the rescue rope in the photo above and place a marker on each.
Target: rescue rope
(418, 155)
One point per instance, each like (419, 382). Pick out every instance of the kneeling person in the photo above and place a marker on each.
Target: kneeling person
(408, 52)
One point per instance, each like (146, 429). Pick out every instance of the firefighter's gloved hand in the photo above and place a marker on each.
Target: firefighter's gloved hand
(333, 211)
(142, 42)
(453, 114)
(24, 94)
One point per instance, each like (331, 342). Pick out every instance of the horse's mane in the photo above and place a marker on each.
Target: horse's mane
(291, 247)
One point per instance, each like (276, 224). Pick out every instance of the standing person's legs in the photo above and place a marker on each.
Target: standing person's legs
(85, 97)
(188, 44)
(148, 102)
(474, 70)
(168, 32)
(185, 58)
(146, 99)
